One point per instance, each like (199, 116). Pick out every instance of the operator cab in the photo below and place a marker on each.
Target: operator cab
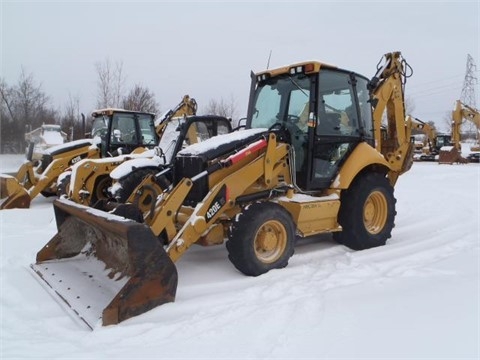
(122, 131)
(325, 110)
(184, 131)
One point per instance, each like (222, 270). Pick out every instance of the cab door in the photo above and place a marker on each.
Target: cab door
(342, 121)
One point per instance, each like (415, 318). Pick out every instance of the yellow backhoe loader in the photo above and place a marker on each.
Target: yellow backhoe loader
(312, 159)
(35, 177)
(89, 180)
(179, 134)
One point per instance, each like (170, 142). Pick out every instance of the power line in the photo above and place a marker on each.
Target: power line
(440, 80)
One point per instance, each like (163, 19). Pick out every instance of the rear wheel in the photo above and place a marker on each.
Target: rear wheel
(261, 239)
(367, 213)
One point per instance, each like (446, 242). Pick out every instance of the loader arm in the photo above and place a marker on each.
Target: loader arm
(31, 181)
(263, 170)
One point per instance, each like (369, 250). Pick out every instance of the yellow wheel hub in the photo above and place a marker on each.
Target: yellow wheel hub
(101, 188)
(375, 212)
(270, 241)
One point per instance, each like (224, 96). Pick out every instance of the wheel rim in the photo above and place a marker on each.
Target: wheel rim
(101, 189)
(270, 241)
(375, 212)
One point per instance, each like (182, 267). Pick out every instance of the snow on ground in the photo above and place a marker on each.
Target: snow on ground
(415, 298)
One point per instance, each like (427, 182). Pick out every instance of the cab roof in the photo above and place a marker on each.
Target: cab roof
(111, 111)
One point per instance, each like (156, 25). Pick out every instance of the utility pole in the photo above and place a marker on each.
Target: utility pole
(468, 91)
(468, 96)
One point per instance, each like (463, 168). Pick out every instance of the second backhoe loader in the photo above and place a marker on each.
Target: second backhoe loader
(40, 177)
(313, 159)
(89, 180)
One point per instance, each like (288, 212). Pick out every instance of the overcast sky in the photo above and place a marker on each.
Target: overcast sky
(207, 49)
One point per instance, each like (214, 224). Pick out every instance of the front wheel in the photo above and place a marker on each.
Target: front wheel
(367, 213)
(261, 238)
(127, 184)
(100, 189)
(63, 185)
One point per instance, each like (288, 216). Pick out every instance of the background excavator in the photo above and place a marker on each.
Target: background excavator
(285, 175)
(35, 177)
(430, 147)
(89, 180)
(453, 153)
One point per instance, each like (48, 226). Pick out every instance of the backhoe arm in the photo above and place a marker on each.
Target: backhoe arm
(387, 93)
(427, 129)
(461, 112)
(186, 107)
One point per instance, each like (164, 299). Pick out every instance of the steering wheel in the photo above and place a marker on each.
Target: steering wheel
(276, 126)
(293, 118)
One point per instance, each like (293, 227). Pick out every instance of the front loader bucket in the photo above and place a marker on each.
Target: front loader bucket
(16, 195)
(105, 266)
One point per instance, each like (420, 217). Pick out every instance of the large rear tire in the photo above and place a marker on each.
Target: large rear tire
(367, 213)
(261, 238)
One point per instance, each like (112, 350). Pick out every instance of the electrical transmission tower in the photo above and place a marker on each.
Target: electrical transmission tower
(468, 90)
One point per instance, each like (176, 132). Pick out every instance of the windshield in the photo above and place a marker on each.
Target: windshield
(169, 138)
(147, 130)
(100, 126)
(56, 128)
(280, 100)
(443, 140)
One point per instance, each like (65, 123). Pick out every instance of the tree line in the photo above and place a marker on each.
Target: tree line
(24, 105)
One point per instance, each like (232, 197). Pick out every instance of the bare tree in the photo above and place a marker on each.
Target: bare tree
(23, 108)
(222, 107)
(110, 83)
(71, 120)
(6, 105)
(447, 120)
(409, 106)
(140, 98)
(31, 102)
(8, 123)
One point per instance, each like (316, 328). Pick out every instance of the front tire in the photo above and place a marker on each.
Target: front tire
(63, 186)
(261, 239)
(129, 183)
(367, 213)
(100, 189)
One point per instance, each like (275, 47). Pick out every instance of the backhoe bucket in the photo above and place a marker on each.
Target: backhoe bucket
(16, 195)
(450, 155)
(105, 266)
